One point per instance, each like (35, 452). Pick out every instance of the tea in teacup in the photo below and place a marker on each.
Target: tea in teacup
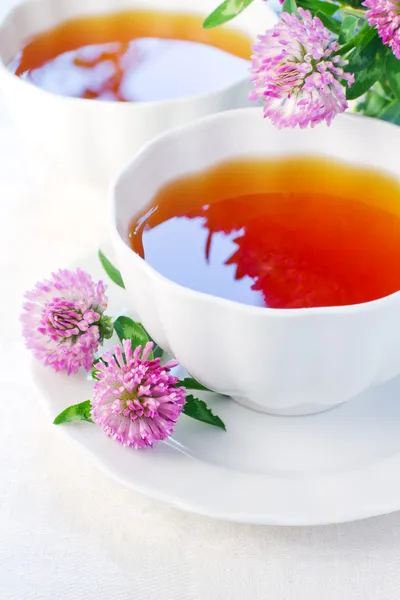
(134, 56)
(294, 232)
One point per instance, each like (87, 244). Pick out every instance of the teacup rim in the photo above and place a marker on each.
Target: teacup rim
(193, 98)
(225, 302)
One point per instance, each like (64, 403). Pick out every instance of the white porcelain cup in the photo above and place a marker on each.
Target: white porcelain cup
(90, 140)
(280, 361)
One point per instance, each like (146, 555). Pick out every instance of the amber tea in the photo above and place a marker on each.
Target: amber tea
(134, 56)
(284, 233)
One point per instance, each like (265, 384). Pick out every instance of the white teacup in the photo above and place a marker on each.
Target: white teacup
(91, 140)
(281, 361)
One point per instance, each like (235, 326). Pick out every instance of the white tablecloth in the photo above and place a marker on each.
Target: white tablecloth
(67, 531)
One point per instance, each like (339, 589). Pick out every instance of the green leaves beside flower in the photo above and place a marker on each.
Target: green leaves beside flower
(364, 80)
(377, 76)
(78, 412)
(194, 408)
(136, 414)
(128, 329)
(366, 61)
(198, 409)
(369, 64)
(376, 69)
(366, 42)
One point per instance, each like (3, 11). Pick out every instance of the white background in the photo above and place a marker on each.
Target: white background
(68, 532)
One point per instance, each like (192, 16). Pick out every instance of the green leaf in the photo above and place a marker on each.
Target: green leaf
(111, 271)
(373, 105)
(328, 8)
(364, 80)
(360, 40)
(198, 409)
(78, 412)
(157, 351)
(393, 74)
(364, 54)
(329, 22)
(289, 6)
(391, 113)
(191, 384)
(127, 329)
(229, 9)
(382, 87)
(368, 35)
(347, 29)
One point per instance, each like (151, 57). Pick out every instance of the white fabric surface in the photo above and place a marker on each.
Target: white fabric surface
(68, 532)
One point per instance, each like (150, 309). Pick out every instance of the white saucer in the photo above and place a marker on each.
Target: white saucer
(337, 466)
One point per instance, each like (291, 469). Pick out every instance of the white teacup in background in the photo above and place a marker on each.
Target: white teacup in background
(90, 140)
(281, 361)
